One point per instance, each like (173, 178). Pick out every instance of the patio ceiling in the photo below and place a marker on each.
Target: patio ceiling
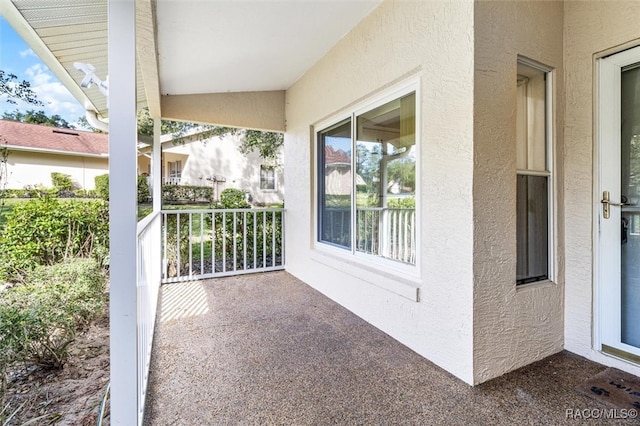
(188, 47)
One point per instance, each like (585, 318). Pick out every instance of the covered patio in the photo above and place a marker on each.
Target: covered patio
(268, 349)
(443, 78)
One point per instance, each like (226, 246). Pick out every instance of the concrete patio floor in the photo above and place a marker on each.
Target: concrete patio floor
(268, 349)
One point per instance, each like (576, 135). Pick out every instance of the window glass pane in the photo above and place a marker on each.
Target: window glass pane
(630, 189)
(532, 229)
(386, 180)
(531, 119)
(334, 182)
(267, 178)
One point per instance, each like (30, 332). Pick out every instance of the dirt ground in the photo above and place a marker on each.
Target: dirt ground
(70, 396)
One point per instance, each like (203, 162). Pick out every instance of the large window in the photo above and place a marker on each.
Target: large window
(534, 197)
(371, 211)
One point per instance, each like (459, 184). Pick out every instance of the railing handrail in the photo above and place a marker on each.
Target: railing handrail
(211, 242)
(145, 222)
(212, 210)
(379, 209)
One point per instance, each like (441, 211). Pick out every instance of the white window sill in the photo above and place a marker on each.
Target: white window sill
(397, 280)
(534, 285)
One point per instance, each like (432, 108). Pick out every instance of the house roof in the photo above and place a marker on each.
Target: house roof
(333, 157)
(34, 137)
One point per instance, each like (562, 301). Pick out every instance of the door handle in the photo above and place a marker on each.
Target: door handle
(606, 204)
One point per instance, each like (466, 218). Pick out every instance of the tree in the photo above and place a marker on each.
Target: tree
(267, 144)
(83, 124)
(16, 90)
(37, 117)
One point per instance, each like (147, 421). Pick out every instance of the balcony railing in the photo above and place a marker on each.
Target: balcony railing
(147, 287)
(380, 231)
(387, 232)
(200, 244)
(174, 180)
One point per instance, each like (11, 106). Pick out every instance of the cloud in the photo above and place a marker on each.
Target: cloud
(27, 52)
(56, 97)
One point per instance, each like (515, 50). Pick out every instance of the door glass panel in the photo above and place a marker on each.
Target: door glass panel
(630, 189)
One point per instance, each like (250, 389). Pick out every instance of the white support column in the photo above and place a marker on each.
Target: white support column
(156, 166)
(123, 211)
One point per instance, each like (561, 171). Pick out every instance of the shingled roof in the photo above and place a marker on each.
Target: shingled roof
(34, 137)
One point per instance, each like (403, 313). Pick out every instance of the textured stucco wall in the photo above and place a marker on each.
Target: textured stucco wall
(28, 168)
(512, 327)
(589, 28)
(432, 41)
(220, 156)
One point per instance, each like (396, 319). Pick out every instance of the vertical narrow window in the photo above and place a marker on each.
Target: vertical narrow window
(175, 172)
(334, 185)
(267, 178)
(533, 175)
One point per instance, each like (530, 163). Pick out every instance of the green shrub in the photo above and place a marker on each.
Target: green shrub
(144, 193)
(85, 193)
(172, 193)
(102, 186)
(39, 318)
(232, 198)
(402, 203)
(45, 231)
(62, 181)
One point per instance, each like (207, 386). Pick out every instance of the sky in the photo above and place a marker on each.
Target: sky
(17, 58)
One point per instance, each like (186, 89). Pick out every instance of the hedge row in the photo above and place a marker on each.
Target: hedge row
(187, 193)
(48, 192)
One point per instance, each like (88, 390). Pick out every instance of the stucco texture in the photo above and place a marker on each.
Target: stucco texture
(431, 42)
(512, 327)
(590, 28)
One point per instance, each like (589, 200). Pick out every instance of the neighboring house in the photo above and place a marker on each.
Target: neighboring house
(36, 151)
(523, 116)
(217, 162)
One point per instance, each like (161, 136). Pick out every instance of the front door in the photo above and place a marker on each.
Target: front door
(618, 191)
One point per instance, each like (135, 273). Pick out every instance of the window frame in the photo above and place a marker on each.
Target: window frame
(374, 262)
(273, 179)
(549, 173)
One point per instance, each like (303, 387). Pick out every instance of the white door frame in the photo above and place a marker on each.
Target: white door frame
(607, 328)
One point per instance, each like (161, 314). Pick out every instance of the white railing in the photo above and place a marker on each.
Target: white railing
(171, 180)
(387, 232)
(200, 244)
(147, 286)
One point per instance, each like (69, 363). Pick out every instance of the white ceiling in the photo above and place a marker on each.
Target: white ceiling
(203, 46)
(214, 46)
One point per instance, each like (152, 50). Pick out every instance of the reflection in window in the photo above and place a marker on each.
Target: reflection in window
(386, 180)
(334, 185)
(376, 204)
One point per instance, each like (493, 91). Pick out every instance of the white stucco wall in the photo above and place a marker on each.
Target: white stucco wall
(221, 157)
(433, 42)
(589, 28)
(29, 168)
(512, 327)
